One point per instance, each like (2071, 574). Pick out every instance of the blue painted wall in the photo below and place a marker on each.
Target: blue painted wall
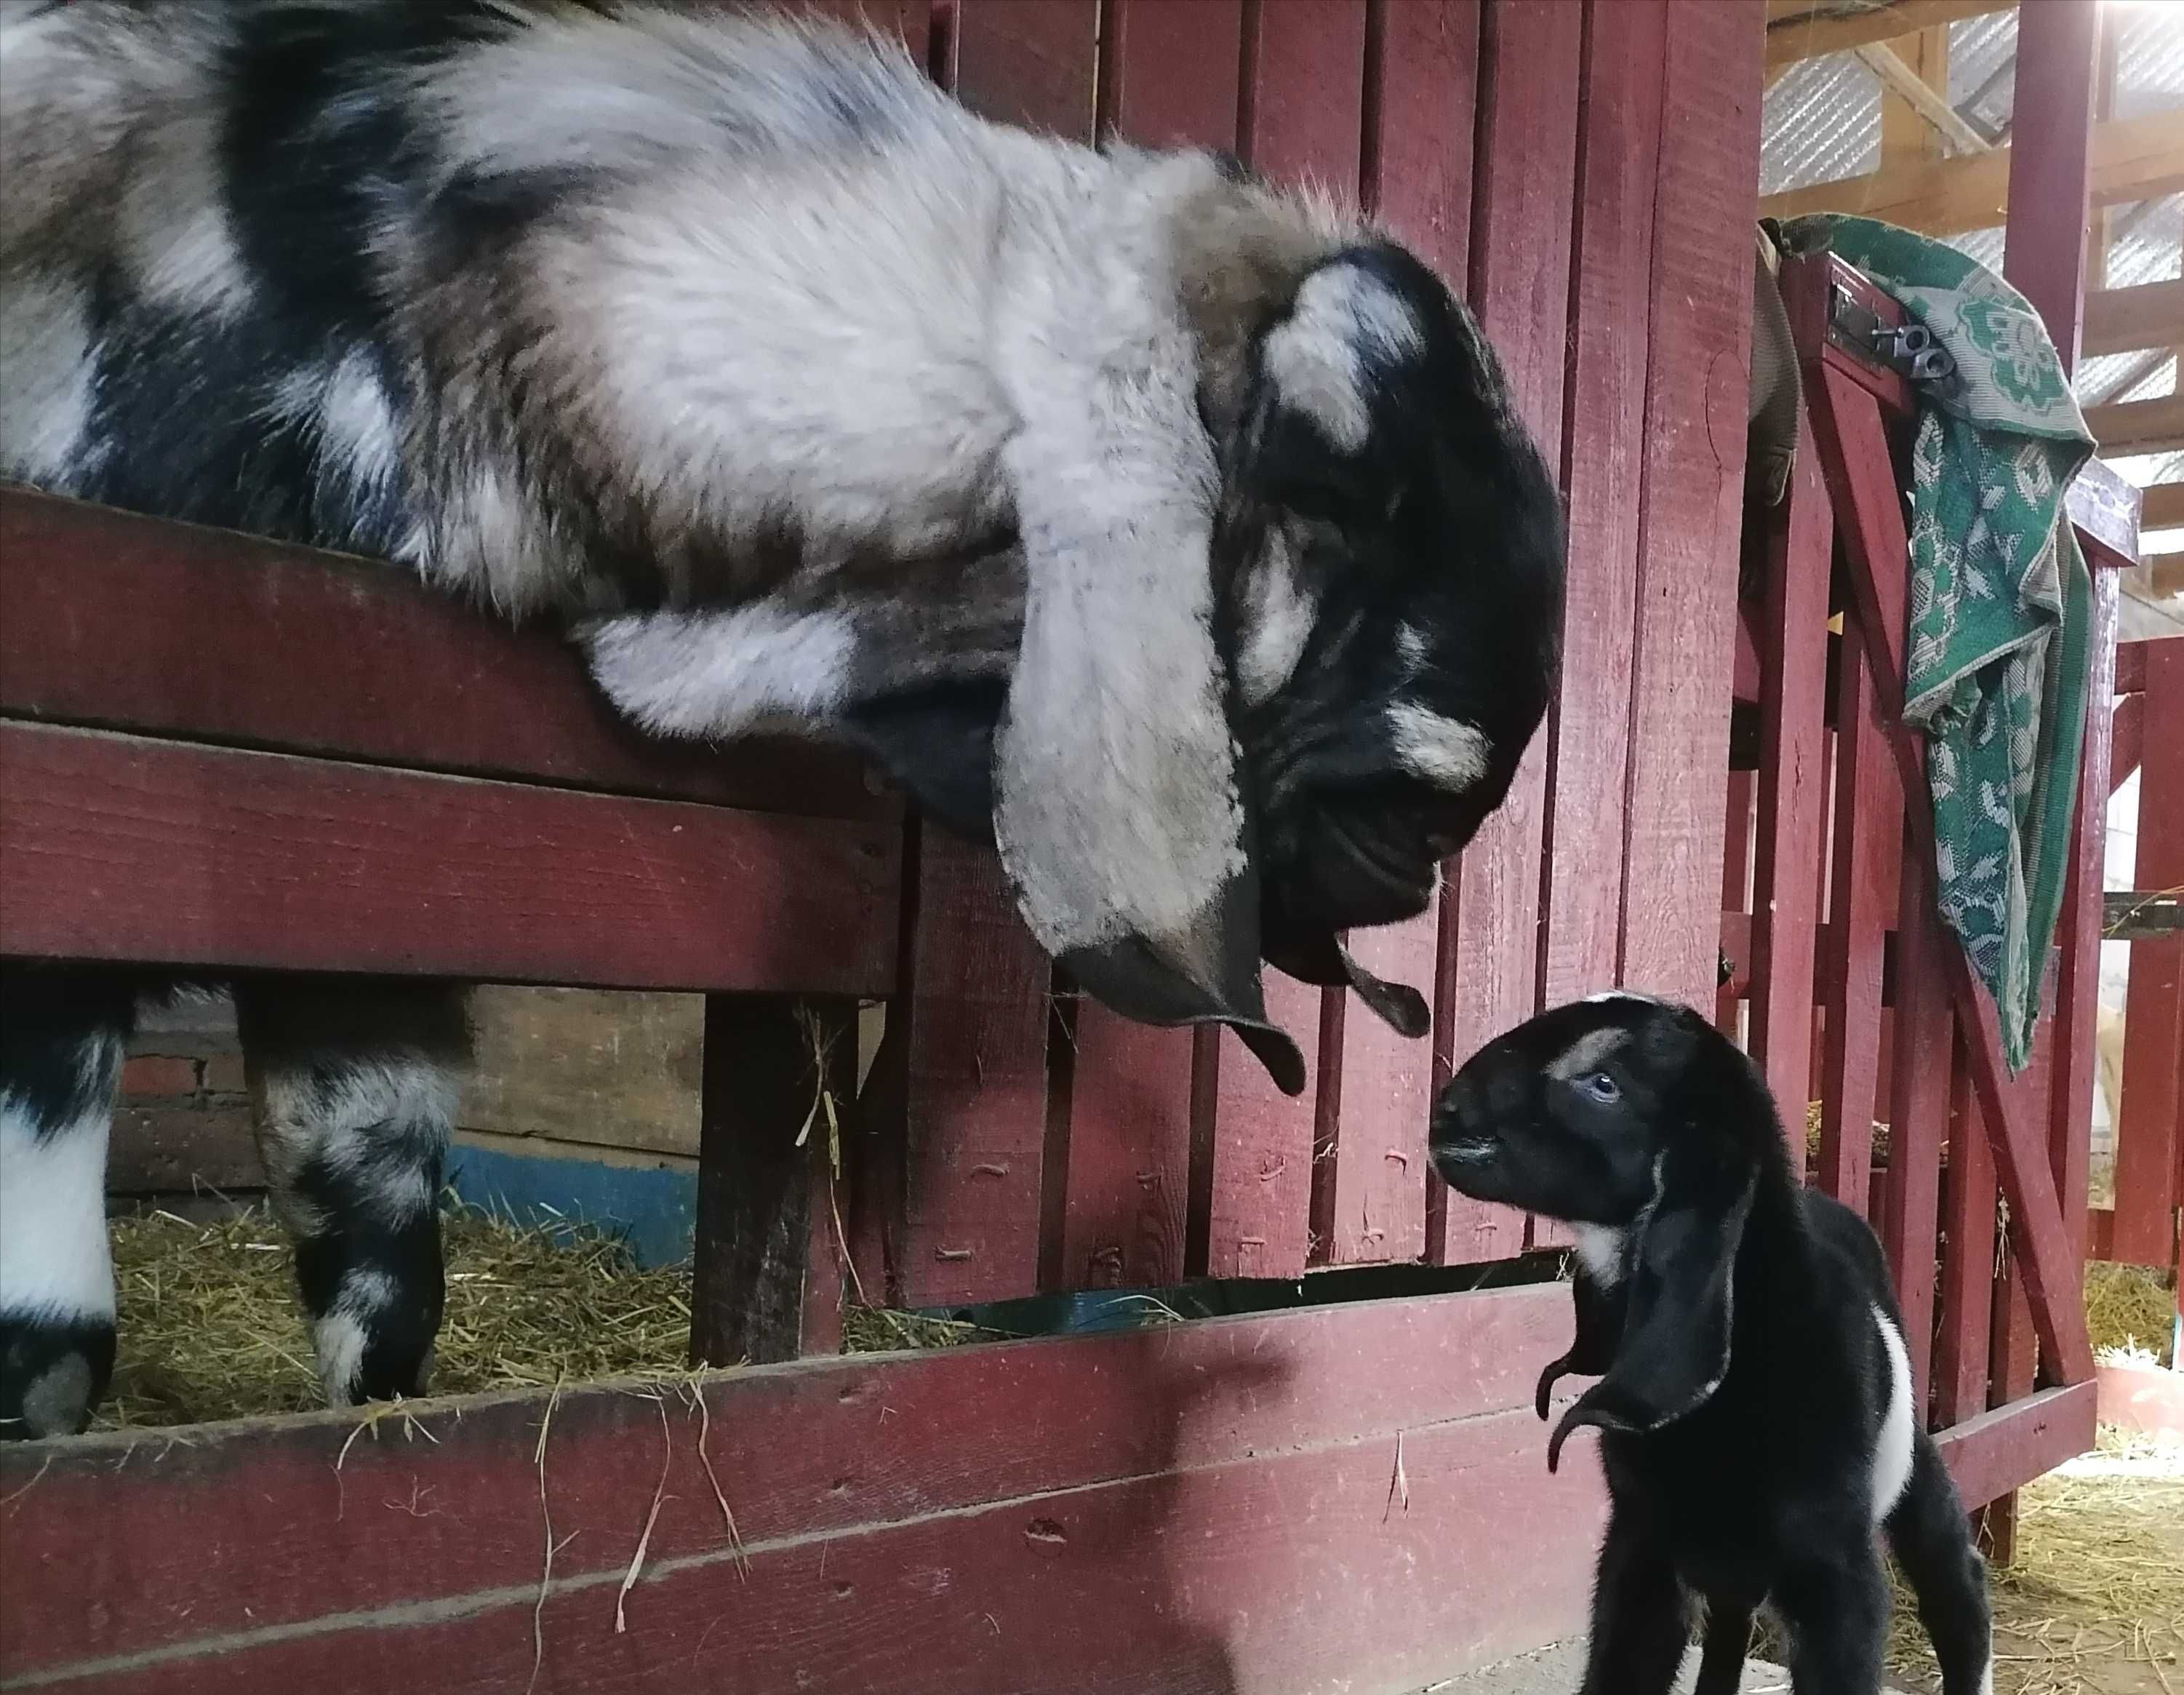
(655, 1209)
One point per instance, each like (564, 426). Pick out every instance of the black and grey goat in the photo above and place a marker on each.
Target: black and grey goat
(1756, 1401)
(1173, 532)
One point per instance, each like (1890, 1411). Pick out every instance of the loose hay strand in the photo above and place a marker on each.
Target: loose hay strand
(644, 1536)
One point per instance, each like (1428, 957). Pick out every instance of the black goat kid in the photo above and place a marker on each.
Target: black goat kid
(1755, 1401)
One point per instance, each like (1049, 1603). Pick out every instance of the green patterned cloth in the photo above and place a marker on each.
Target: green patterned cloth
(2000, 603)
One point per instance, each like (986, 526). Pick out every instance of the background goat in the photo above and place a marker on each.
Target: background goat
(1174, 533)
(1756, 1401)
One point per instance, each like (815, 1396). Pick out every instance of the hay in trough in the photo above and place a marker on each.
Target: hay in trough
(210, 1327)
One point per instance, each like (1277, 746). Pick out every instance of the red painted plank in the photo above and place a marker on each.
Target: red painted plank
(116, 847)
(1862, 479)
(1736, 901)
(908, 20)
(1217, 1581)
(1793, 779)
(1300, 120)
(1525, 188)
(173, 629)
(2147, 1133)
(1694, 427)
(1619, 161)
(1960, 1348)
(1869, 847)
(1129, 1154)
(1424, 60)
(2077, 993)
(1993, 1453)
(1171, 75)
(1918, 1115)
(228, 1529)
(2126, 730)
(1029, 62)
(976, 1086)
(1257, 1149)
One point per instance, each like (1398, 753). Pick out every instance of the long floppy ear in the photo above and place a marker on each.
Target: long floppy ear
(1680, 1302)
(1121, 806)
(1600, 1313)
(1321, 959)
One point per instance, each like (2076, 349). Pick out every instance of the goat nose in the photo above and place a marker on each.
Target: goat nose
(1459, 1101)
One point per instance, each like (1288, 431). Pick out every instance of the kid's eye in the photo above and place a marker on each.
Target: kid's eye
(1602, 1088)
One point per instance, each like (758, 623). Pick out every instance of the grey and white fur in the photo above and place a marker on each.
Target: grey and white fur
(1174, 531)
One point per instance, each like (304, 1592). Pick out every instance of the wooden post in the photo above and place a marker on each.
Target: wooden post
(767, 1058)
(2050, 163)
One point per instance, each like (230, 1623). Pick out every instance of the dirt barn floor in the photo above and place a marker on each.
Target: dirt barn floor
(2094, 1603)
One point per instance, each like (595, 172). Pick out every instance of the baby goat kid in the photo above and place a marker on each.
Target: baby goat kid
(1174, 532)
(1755, 1401)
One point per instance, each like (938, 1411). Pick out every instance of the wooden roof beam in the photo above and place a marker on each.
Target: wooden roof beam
(2134, 159)
(2130, 320)
(1805, 29)
(2131, 428)
(1943, 119)
(2164, 509)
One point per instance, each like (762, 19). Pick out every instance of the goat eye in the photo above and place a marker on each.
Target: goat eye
(1603, 1087)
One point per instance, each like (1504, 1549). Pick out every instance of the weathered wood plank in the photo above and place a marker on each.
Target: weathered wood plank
(173, 629)
(1211, 1582)
(2147, 1133)
(1695, 425)
(1525, 187)
(1171, 75)
(1960, 1350)
(1793, 779)
(1029, 62)
(566, 1065)
(1992, 1452)
(767, 1058)
(1861, 477)
(975, 1091)
(117, 847)
(959, 1203)
(1168, 74)
(1919, 1125)
(804, 1452)
(1869, 842)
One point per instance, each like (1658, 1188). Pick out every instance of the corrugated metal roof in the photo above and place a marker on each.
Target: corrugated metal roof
(1822, 123)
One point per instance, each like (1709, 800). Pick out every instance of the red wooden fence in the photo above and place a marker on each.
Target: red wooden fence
(1117, 1514)
(2141, 1228)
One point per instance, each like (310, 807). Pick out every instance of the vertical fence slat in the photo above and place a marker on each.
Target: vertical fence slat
(1129, 1154)
(1793, 784)
(1917, 1113)
(975, 1089)
(1960, 1348)
(2147, 1131)
(1602, 462)
(1424, 60)
(1694, 429)
(1736, 895)
(1304, 82)
(2077, 994)
(1869, 844)
(974, 1061)
(1525, 184)
(1029, 62)
(1168, 76)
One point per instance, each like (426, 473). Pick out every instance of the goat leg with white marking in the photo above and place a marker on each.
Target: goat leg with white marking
(353, 1089)
(62, 1031)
